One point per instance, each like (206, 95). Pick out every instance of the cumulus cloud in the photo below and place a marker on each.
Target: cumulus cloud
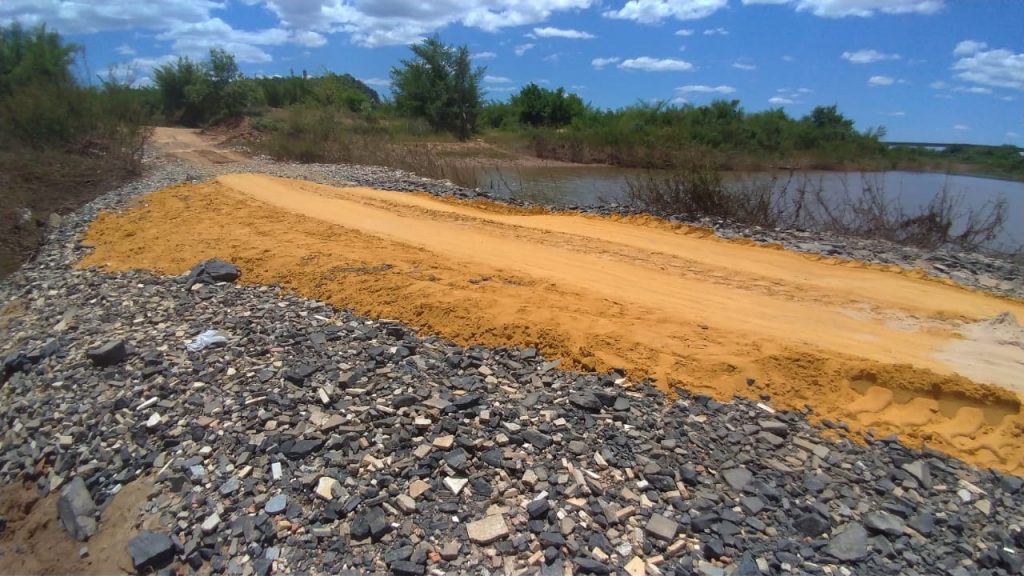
(549, 32)
(969, 47)
(716, 32)
(483, 56)
(653, 11)
(648, 64)
(392, 22)
(497, 80)
(868, 56)
(703, 89)
(125, 50)
(861, 8)
(744, 67)
(188, 25)
(599, 63)
(998, 68)
(309, 39)
(684, 32)
(961, 127)
(381, 82)
(780, 100)
(881, 81)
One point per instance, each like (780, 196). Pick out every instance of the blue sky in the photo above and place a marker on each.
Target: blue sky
(927, 70)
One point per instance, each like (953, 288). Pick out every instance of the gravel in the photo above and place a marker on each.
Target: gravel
(317, 441)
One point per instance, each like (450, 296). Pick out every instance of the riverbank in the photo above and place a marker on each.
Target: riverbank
(264, 443)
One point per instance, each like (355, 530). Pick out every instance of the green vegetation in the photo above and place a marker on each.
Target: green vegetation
(696, 190)
(439, 85)
(61, 142)
(665, 136)
(200, 93)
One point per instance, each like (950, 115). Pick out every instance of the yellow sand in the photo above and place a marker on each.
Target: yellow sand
(863, 344)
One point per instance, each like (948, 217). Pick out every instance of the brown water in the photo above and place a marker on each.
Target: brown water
(601, 185)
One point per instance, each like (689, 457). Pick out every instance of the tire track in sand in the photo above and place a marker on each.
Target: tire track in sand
(856, 343)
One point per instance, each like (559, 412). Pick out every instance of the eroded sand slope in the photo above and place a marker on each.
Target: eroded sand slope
(869, 346)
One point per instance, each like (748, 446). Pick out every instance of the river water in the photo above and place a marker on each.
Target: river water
(596, 185)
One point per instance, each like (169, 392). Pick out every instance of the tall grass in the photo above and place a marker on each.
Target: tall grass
(318, 134)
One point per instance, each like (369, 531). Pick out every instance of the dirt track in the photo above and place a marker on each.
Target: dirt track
(875, 348)
(193, 146)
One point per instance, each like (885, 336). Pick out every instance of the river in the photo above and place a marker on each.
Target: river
(597, 185)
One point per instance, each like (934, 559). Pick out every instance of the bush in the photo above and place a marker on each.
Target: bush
(61, 143)
(697, 190)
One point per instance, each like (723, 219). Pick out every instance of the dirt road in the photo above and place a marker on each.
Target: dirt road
(876, 348)
(193, 146)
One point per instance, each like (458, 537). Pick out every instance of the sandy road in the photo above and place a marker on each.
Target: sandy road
(873, 347)
(193, 146)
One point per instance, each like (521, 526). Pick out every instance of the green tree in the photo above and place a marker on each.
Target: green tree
(439, 85)
(199, 92)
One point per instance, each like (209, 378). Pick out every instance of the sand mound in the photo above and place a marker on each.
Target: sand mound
(689, 309)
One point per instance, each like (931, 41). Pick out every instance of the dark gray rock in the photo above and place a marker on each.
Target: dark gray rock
(150, 551)
(76, 510)
(850, 544)
(884, 522)
(737, 478)
(211, 272)
(109, 354)
(591, 566)
(586, 400)
(811, 525)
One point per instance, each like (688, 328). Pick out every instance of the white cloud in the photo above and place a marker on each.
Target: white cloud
(77, 17)
(599, 63)
(187, 24)
(381, 82)
(197, 38)
(716, 32)
(309, 39)
(147, 64)
(679, 100)
(881, 81)
(549, 32)
(395, 22)
(968, 47)
(744, 67)
(868, 56)
(938, 85)
(897, 114)
(684, 32)
(653, 11)
(784, 96)
(1012, 134)
(523, 49)
(703, 89)
(125, 50)
(973, 89)
(788, 58)
(649, 64)
(961, 127)
(999, 68)
(862, 8)
(484, 55)
(497, 80)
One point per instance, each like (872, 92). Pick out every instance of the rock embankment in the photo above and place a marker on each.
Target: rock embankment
(317, 441)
